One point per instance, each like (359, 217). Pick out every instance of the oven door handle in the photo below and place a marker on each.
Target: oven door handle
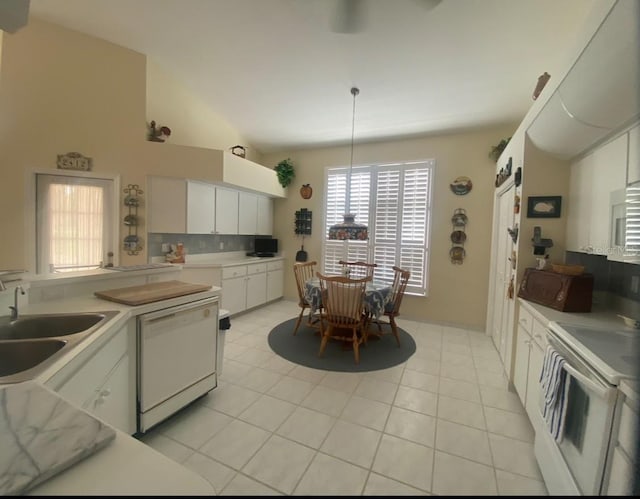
(603, 391)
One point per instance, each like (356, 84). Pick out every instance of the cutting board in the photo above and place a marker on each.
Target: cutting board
(148, 293)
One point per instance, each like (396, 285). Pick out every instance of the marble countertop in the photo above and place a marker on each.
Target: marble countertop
(41, 435)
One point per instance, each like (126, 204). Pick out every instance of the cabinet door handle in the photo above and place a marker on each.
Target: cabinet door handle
(527, 342)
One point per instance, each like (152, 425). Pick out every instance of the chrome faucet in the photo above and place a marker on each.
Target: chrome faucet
(14, 308)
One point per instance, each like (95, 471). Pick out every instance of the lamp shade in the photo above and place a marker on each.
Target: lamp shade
(349, 229)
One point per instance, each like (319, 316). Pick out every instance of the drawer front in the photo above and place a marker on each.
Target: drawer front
(275, 265)
(231, 272)
(256, 268)
(525, 319)
(628, 431)
(539, 334)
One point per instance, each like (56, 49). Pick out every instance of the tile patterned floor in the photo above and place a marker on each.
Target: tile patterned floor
(443, 423)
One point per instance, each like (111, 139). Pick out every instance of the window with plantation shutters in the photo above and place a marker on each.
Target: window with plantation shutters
(394, 201)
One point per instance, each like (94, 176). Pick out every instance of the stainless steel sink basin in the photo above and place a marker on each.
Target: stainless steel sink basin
(32, 343)
(18, 356)
(47, 326)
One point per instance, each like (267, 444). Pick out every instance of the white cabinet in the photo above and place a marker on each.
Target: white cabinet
(275, 280)
(101, 379)
(247, 213)
(578, 209)
(167, 205)
(226, 211)
(620, 473)
(592, 181)
(201, 208)
(530, 348)
(256, 285)
(264, 225)
(251, 285)
(633, 164)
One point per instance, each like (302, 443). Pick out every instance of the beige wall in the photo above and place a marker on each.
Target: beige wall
(62, 91)
(192, 122)
(457, 293)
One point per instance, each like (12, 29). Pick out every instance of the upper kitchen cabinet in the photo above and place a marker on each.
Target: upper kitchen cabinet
(179, 206)
(227, 205)
(201, 208)
(633, 165)
(592, 180)
(600, 95)
(255, 214)
(265, 216)
(247, 213)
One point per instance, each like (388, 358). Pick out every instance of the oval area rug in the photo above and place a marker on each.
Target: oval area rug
(303, 349)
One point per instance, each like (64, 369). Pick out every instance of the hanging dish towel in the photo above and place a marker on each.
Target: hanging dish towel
(553, 381)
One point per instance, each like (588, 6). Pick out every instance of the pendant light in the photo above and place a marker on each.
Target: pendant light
(349, 229)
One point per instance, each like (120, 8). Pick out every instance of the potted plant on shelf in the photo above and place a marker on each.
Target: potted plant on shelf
(496, 151)
(285, 172)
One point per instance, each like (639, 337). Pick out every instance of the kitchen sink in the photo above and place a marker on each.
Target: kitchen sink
(22, 355)
(47, 326)
(31, 343)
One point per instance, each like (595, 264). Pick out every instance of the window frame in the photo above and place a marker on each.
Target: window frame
(374, 168)
(31, 220)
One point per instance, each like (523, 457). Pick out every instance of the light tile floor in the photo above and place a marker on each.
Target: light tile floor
(443, 423)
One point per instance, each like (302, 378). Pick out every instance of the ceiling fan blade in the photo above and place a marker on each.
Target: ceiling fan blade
(348, 16)
(428, 4)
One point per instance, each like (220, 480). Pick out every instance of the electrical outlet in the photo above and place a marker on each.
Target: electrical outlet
(635, 281)
(221, 244)
(165, 248)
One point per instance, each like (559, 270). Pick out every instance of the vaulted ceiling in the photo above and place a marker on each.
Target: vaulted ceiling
(280, 72)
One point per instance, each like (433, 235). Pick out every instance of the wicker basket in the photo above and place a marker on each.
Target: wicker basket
(567, 269)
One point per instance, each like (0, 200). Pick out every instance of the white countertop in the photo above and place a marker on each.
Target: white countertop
(126, 466)
(600, 337)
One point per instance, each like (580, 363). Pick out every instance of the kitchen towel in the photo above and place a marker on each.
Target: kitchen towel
(553, 381)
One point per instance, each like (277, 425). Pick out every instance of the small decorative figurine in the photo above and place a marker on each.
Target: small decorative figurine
(158, 134)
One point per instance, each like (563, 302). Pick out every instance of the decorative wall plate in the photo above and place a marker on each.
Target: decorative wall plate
(461, 186)
(458, 237)
(457, 254)
(459, 218)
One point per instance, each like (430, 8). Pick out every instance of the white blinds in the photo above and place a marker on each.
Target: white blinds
(73, 222)
(394, 201)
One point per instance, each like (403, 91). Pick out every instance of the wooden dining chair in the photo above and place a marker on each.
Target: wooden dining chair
(358, 270)
(343, 304)
(392, 308)
(303, 272)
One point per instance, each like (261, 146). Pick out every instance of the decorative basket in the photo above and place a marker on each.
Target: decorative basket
(567, 269)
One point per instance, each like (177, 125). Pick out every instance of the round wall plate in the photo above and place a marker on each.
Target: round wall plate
(461, 186)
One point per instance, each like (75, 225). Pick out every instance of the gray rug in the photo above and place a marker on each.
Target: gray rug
(303, 349)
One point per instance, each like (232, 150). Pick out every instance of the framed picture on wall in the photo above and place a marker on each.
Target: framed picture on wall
(544, 206)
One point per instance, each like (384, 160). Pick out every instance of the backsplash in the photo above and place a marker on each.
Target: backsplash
(200, 243)
(621, 279)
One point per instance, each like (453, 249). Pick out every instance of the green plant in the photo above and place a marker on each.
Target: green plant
(285, 172)
(496, 151)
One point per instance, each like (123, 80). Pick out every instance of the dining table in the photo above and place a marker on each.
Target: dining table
(377, 294)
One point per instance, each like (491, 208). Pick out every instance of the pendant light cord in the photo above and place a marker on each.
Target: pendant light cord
(354, 91)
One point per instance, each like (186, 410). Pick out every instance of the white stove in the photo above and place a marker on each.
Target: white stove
(613, 353)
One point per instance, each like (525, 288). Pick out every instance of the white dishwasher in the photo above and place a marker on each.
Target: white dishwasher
(176, 358)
